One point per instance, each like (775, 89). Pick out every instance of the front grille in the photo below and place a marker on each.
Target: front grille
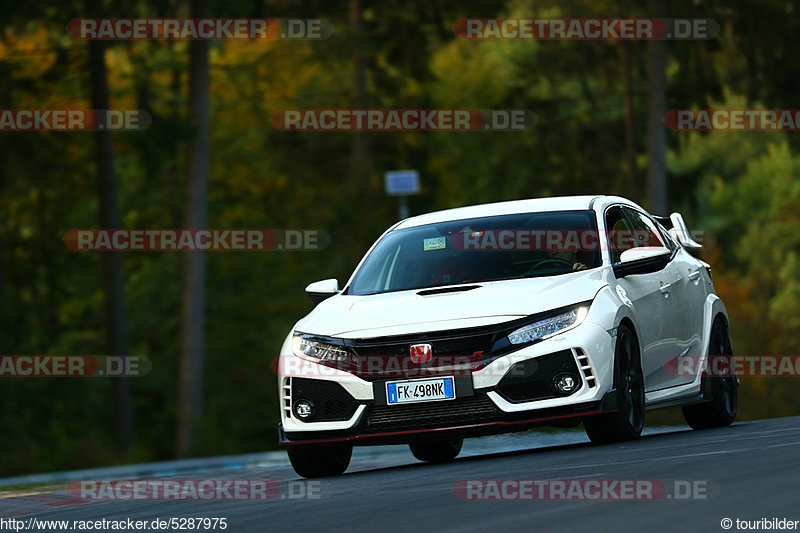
(459, 346)
(532, 379)
(465, 349)
(445, 413)
(331, 401)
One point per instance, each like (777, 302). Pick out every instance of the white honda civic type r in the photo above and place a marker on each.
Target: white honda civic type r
(502, 317)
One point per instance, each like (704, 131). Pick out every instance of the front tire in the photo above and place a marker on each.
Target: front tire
(316, 460)
(627, 421)
(721, 410)
(436, 451)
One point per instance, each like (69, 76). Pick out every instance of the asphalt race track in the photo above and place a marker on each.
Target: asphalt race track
(747, 471)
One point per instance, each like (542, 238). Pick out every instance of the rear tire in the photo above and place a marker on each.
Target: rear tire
(319, 460)
(721, 410)
(436, 451)
(627, 421)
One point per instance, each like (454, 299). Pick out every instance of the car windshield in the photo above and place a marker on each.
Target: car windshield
(479, 250)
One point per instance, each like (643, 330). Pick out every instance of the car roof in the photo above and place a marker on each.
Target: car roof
(532, 205)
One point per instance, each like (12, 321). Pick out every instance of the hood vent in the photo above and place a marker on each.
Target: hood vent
(445, 290)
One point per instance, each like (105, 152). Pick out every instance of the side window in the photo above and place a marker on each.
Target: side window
(645, 231)
(668, 242)
(619, 233)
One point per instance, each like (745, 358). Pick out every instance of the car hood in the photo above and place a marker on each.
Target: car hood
(405, 312)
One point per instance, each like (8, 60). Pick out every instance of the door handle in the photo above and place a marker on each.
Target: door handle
(665, 288)
(694, 276)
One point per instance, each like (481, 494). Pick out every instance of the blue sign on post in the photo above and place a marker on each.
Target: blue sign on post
(401, 182)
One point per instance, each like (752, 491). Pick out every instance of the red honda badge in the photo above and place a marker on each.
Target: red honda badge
(421, 353)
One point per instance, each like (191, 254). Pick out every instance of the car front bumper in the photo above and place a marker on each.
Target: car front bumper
(488, 401)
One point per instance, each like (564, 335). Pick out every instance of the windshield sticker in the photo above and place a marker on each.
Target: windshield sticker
(436, 243)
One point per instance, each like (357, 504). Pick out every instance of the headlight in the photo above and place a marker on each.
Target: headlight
(325, 353)
(548, 327)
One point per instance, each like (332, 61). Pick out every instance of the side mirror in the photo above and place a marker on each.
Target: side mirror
(642, 260)
(680, 232)
(322, 290)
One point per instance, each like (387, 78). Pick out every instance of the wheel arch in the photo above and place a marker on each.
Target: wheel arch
(714, 309)
(626, 321)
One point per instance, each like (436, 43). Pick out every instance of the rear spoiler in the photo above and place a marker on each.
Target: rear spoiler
(676, 227)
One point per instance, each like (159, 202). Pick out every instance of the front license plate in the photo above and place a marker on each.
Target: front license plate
(420, 390)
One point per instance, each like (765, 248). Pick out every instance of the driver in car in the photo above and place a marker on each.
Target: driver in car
(569, 256)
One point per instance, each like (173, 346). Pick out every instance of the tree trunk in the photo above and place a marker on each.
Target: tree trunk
(113, 276)
(630, 129)
(657, 138)
(361, 164)
(190, 393)
(173, 165)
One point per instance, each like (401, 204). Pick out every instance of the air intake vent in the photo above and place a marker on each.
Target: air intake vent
(533, 379)
(467, 410)
(286, 391)
(330, 401)
(586, 367)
